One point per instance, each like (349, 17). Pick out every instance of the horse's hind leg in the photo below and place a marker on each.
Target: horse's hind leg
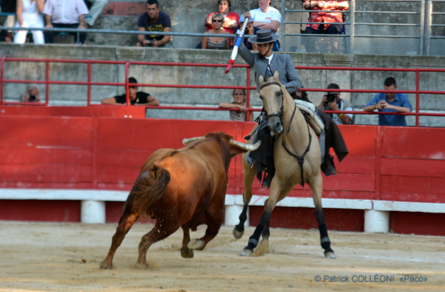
(316, 185)
(249, 176)
(185, 251)
(125, 222)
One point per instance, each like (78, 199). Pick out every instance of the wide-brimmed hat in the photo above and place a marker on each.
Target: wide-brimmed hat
(263, 36)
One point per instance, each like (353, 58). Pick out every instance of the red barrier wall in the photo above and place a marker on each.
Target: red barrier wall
(92, 152)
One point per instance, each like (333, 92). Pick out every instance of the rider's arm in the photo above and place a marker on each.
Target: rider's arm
(294, 80)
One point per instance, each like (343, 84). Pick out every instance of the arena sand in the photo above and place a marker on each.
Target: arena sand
(66, 257)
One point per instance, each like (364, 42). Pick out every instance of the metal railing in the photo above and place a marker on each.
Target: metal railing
(127, 64)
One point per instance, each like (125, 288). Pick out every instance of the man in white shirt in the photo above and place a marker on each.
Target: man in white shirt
(66, 14)
(265, 17)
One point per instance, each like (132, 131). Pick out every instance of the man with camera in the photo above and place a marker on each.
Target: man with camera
(32, 93)
(332, 101)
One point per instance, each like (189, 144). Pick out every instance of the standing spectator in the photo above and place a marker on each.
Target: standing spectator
(231, 19)
(239, 98)
(136, 97)
(153, 20)
(332, 101)
(216, 43)
(29, 15)
(32, 93)
(390, 102)
(95, 10)
(266, 17)
(65, 14)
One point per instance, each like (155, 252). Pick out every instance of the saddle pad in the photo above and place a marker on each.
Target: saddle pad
(312, 118)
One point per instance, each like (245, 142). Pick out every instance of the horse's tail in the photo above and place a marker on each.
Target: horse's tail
(150, 189)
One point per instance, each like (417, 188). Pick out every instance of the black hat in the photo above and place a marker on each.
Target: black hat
(132, 80)
(264, 36)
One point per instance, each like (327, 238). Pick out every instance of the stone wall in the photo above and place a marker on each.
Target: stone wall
(77, 95)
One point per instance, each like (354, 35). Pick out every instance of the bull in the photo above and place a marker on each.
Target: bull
(180, 188)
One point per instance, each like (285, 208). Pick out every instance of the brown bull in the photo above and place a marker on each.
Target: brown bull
(180, 188)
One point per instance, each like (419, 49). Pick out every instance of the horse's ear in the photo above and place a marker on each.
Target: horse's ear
(276, 75)
(261, 79)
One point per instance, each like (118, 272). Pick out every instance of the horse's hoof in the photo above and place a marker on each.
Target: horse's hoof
(237, 234)
(330, 255)
(195, 244)
(246, 252)
(106, 266)
(186, 252)
(141, 266)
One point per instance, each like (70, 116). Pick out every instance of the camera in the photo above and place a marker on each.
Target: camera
(150, 42)
(32, 97)
(331, 96)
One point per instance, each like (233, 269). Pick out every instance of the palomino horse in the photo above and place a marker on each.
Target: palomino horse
(297, 161)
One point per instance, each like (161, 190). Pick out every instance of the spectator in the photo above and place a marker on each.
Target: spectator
(390, 102)
(29, 15)
(332, 101)
(153, 20)
(249, 31)
(216, 43)
(325, 17)
(5, 36)
(136, 97)
(95, 10)
(239, 97)
(32, 94)
(65, 14)
(231, 19)
(266, 17)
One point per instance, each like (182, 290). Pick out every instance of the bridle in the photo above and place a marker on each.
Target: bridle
(280, 114)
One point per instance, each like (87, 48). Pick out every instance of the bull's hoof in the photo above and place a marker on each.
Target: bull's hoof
(246, 252)
(330, 255)
(196, 244)
(237, 234)
(141, 266)
(186, 252)
(105, 265)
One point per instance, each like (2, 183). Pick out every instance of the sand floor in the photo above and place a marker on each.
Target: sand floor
(66, 257)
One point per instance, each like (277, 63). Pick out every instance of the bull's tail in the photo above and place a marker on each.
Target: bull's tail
(150, 189)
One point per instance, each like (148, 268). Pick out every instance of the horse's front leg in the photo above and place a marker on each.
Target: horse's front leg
(249, 176)
(275, 191)
(316, 185)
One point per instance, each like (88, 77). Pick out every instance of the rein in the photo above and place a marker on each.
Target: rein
(300, 159)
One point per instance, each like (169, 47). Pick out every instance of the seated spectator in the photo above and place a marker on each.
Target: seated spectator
(32, 94)
(326, 17)
(249, 31)
(29, 15)
(266, 17)
(216, 43)
(136, 97)
(390, 102)
(239, 97)
(5, 36)
(332, 101)
(231, 19)
(153, 20)
(65, 14)
(95, 10)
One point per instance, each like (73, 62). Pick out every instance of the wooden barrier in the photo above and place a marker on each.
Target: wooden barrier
(389, 169)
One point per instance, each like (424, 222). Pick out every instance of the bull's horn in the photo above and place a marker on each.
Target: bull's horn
(186, 141)
(247, 147)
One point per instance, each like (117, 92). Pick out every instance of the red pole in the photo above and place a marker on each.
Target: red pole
(127, 85)
(89, 83)
(47, 84)
(248, 113)
(417, 96)
(1, 76)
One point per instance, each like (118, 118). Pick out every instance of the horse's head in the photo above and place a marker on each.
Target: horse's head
(273, 102)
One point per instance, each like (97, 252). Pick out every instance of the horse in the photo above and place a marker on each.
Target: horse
(297, 161)
(181, 188)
